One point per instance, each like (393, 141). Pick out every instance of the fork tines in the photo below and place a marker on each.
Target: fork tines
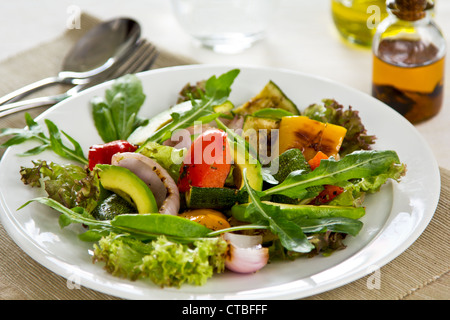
(140, 59)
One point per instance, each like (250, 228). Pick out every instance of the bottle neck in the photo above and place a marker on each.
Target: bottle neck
(409, 11)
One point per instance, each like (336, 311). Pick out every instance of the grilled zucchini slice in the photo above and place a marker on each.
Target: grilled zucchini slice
(270, 96)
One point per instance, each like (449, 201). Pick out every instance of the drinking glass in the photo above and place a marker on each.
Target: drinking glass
(225, 26)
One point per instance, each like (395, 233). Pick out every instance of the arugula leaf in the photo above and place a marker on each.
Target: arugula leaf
(272, 113)
(238, 141)
(53, 141)
(333, 224)
(165, 224)
(291, 235)
(75, 215)
(140, 226)
(357, 165)
(116, 115)
(216, 92)
(165, 260)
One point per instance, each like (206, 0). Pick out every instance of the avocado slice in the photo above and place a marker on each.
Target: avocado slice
(296, 211)
(129, 186)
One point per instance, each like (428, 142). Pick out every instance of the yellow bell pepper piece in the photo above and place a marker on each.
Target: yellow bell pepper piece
(211, 219)
(310, 136)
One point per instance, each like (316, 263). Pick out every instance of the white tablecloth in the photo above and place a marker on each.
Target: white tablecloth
(302, 37)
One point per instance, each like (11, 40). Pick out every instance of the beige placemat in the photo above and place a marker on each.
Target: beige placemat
(425, 263)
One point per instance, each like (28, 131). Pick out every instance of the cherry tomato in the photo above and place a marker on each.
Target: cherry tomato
(207, 163)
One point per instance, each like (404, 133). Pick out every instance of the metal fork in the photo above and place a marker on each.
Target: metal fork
(141, 59)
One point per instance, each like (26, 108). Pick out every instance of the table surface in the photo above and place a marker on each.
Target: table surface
(302, 38)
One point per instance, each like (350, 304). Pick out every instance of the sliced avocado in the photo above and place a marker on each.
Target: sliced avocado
(243, 159)
(129, 186)
(270, 96)
(297, 211)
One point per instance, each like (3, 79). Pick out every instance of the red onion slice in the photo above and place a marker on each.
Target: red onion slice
(246, 253)
(160, 182)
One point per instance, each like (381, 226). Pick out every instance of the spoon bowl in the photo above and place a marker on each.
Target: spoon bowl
(95, 54)
(100, 48)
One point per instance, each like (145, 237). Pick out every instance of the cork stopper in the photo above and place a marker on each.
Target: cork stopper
(409, 10)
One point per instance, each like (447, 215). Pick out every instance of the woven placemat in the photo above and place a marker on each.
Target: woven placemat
(425, 262)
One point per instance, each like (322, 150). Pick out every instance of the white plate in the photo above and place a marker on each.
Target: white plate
(395, 217)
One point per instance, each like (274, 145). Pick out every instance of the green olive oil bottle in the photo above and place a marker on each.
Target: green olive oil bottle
(356, 20)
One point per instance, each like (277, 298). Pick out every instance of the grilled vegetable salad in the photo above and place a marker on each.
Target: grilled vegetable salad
(209, 186)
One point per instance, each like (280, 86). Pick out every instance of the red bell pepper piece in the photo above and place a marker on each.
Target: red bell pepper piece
(207, 163)
(102, 153)
(329, 192)
(315, 161)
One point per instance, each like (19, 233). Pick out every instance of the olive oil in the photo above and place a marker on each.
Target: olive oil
(408, 60)
(356, 20)
(410, 86)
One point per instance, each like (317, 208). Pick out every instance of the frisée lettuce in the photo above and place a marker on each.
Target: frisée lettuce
(165, 262)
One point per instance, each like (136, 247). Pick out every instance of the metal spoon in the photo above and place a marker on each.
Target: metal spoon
(94, 54)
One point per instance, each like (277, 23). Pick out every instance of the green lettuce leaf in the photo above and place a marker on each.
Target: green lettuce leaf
(168, 157)
(166, 263)
(68, 184)
(356, 189)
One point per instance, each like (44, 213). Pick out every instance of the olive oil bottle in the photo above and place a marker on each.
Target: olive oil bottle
(356, 20)
(408, 60)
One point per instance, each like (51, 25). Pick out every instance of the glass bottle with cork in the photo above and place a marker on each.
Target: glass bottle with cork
(408, 64)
